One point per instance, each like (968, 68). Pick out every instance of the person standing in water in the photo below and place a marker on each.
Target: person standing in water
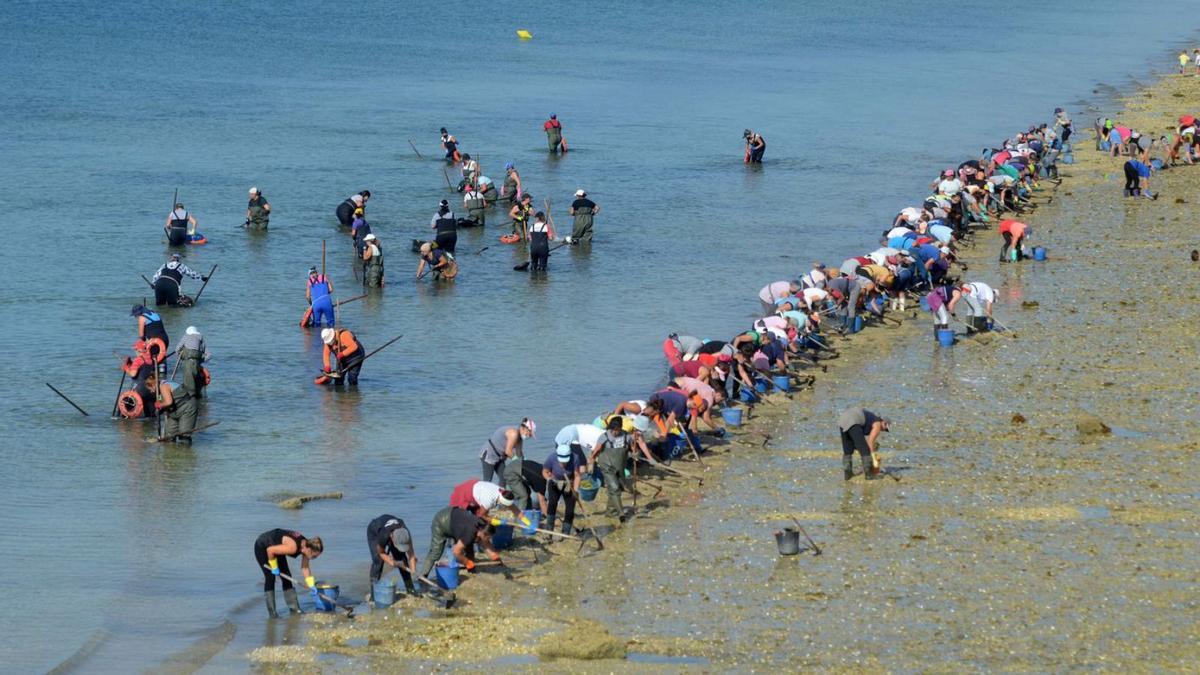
(511, 190)
(462, 530)
(150, 328)
(584, 210)
(192, 353)
(345, 210)
(320, 295)
(476, 205)
(271, 551)
(445, 224)
(167, 280)
(343, 344)
(450, 144)
(540, 234)
(180, 224)
(441, 263)
(372, 256)
(470, 171)
(756, 146)
(554, 136)
(258, 211)
(860, 429)
(519, 215)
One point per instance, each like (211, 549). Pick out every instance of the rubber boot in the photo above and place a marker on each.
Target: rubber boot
(568, 528)
(847, 467)
(408, 586)
(869, 470)
(549, 526)
(293, 604)
(269, 596)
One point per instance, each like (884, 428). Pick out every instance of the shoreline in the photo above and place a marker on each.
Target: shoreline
(491, 598)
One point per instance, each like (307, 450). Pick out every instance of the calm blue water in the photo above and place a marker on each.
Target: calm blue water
(110, 107)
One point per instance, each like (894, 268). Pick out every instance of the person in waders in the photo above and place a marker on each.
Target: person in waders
(179, 225)
(440, 262)
(519, 214)
(461, 529)
(258, 211)
(446, 225)
(192, 354)
(504, 442)
(150, 330)
(540, 234)
(488, 189)
(372, 256)
(756, 146)
(176, 402)
(511, 191)
(584, 210)
(320, 296)
(554, 136)
(271, 551)
(359, 229)
(345, 210)
(450, 144)
(469, 169)
(476, 205)
(860, 429)
(167, 281)
(391, 544)
(611, 454)
(343, 344)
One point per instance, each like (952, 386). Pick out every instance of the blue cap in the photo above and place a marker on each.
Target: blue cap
(508, 165)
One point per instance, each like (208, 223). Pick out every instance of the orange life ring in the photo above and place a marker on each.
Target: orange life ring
(509, 238)
(156, 344)
(129, 404)
(206, 375)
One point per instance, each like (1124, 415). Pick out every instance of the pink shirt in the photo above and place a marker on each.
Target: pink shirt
(774, 291)
(691, 384)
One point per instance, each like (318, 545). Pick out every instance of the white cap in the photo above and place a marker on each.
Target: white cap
(580, 193)
(357, 199)
(253, 190)
(564, 453)
(369, 237)
(641, 423)
(327, 336)
(191, 330)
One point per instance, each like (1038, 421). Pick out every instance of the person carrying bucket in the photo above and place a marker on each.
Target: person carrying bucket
(562, 471)
(860, 429)
(391, 544)
(461, 529)
(611, 455)
(319, 293)
(271, 551)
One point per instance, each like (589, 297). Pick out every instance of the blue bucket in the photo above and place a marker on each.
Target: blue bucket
(925, 303)
(329, 591)
(761, 386)
(447, 574)
(782, 382)
(747, 395)
(1104, 145)
(383, 593)
(945, 337)
(858, 324)
(1157, 164)
(732, 416)
(1067, 158)
(588, 487)
(502, 537)
(1039, 253)
(534, 516)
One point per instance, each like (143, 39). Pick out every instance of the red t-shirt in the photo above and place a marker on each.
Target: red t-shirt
(463, 495)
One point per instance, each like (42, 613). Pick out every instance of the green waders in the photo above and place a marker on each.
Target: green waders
(583, 224)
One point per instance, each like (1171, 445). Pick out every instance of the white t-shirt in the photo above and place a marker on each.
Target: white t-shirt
(814, 295)
(898, 232)
(880, 255)
(950, 186)
(981, 291)
(586, 435)
(486, 494)
(814, 279)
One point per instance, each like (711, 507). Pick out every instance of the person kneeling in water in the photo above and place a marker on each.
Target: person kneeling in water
(167, 281)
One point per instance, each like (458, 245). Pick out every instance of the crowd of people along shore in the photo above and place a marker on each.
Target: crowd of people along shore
(669, 428)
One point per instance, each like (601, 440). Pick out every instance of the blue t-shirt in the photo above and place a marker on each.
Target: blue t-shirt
(560, 472)
(1142, 169)
(672, 402)
(926, 252)
(773, 350)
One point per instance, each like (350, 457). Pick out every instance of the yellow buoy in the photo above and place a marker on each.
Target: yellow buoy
(524, 34)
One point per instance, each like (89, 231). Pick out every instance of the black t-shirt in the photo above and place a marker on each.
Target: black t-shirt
(463, 526)
(582, 202)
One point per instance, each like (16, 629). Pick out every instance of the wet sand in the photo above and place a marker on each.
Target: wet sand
(1019, 536)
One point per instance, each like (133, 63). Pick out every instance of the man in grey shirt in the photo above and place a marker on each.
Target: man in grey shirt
(860, 429)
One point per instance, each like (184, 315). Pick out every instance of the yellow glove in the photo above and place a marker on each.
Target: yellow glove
(311, 582)
(274, 565)
(497, 522)
(525, 521)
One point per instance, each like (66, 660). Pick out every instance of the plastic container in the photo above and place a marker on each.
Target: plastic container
(1014, 254)
(788, 541)
(588, 489)
(924, 303)
(502, 537)
(1039, 253)
(858, 324)
(747, 396)
(782, 382)
(1105, 145)
(1067, 158)
(329, 591)
(945, 337)
(732, 416)
(761, 386)
(1157, 164)
(534, 516)
(447, 574)
(383, 593)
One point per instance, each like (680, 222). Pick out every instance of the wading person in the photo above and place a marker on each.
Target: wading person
(562, 472)
(151, 330)
(258, 211)
(271, 550)
(511, 190)
(345, 210)
(319, 294)
(340, 342)
(167, 281)
(461, 529)
(359, 229)
(391, 544)
(540, 234)
(450, 145)
(469, 170)
(179, 225)
(611, 454)
(476, 206)
(860, 431)
(584, 210)
(177, 404)
(372, 256)
(445, 224)
(519, 215)
(192, 354)
(441, 263)
(505, 442)
(554, 136)
(756, 146)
